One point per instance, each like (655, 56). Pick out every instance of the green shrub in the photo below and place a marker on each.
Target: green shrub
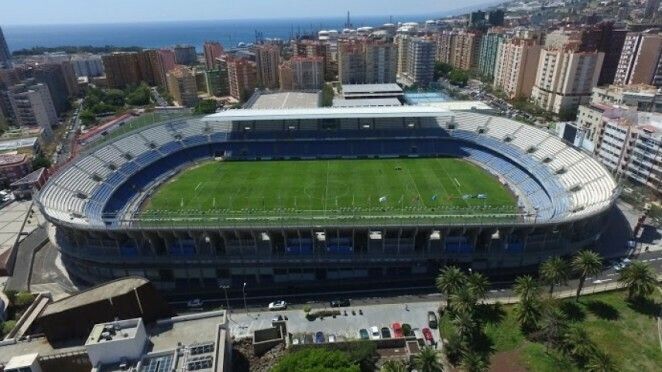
(316, 359)
(7, 326)
(322, 314)
(23, 299)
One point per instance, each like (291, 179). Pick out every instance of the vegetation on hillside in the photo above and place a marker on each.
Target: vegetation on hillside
(111, 101)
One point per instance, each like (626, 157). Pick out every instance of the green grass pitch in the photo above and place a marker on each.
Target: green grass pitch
(328, 188)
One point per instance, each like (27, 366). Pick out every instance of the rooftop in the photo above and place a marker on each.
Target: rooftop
(286, 100)
(370, 88)
(8, 159)
(114, 331)
(94, 294)
(328, 113)
(30, 178)
(367, 102)
(16, 144)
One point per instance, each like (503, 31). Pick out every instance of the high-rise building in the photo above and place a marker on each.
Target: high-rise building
(185, 55)
(87, 65)
(565, 77)
(182, 86)
(515, 66)
(32, 105)
(477, 18)
(213, 83)
(351, 62)
(5, 56)
(221, 64)
(302, 73)
(168, 59)
(651, 8)
(122, 69)
(420, 62)
(212, 50)
(630, 144)
(316, 48)
(267, 59)
(401, 42)
(604, 38)
(496, 17)
(641, 59)
(465, 48)
(489, 46)
(444, 46)
(53, 76)
(152, 69)
(242, 76)
(70, 78)
(380, 62)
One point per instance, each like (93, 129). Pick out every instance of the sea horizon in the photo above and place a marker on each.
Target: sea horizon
(159, 34)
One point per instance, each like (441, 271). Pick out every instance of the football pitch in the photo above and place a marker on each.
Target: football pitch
(251, 190)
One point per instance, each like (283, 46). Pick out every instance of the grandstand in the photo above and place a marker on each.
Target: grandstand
(95, 203)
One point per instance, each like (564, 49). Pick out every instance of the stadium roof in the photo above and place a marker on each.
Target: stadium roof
(329, 113)
(341, 102)
(370, 88)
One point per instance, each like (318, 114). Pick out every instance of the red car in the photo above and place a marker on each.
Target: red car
(397, 330)
(427, 334)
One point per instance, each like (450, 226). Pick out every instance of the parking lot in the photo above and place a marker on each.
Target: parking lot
(343, 327)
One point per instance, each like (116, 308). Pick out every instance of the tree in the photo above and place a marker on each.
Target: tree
(40, 161)
(473, 362)
(577, 344)
(206, 106)
(553, 326)
(599, 361)
(478, 284)
(639, 278)
(327, 95)
(441, 69)
(449, 281)
(316, 359)
(87, 117)
(140, 96)
(458, 77)
(463, 301)
(554, 272)
(427, 360)
(526, 287)
(394, 366)
(585, 263)
(528, 313)
(465, 326)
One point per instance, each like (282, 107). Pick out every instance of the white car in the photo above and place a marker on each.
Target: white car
(278, 305)
(374, 333)
(196, 302)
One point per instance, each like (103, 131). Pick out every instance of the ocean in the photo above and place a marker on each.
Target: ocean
(163, 34)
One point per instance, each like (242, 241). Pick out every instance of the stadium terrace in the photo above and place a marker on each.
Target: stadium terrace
(324, 196)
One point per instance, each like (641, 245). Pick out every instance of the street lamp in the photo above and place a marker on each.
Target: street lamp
(227, 302)
(243, 291)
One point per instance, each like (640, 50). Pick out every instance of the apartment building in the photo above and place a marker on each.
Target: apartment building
(242, 77)
(465, 48)
(212, 50)
(489, 48)
(32, 105)
(302, 73)
(515, 66)
(641, 59)
(182, 86)
(267, 59)
(420, 62)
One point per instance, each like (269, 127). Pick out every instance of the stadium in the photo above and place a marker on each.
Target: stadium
(323, 196)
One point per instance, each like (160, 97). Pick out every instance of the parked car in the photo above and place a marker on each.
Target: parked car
(397, 330)
(427, 335)
(363, 334)
(278, 305)
(332, 338)
(386, 333)
(432, 319)
(374, 333)
(196, 302)
(319, 337)
(340, 303)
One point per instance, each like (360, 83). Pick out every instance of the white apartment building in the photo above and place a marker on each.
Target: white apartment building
(630, 145)
(32, 105)
(565, 77)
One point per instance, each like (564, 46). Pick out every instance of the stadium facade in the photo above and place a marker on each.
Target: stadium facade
(94, 203)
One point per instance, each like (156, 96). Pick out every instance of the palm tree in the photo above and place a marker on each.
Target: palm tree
(526, 287)
(478, 284)
(528, 312)
(427, 360)
(600, 361)
(554, 271)
(577, 344)
(463, 300)
(465, 325)
(394, 366)
(553, 326)
(449, 281)
(585, 263)
(639, 279)
(473, 362)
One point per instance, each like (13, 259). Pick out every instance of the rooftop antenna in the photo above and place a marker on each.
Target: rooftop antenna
(348, 23)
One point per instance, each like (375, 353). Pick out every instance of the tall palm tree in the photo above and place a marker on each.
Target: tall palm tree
(465, 325)
(473, 362)
(585, 263)
(553, 326)
(599, 361)
(428, 360)
(554, 271)
(394, 366)
(528, 312)
(449, 281)
(478, 284)
(577, 344)
(463, 301)
(639, 279)
(526, 287)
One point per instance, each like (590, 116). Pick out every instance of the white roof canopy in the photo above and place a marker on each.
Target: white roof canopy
(329, 113)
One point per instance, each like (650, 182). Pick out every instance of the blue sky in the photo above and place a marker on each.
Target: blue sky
(24, 12)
